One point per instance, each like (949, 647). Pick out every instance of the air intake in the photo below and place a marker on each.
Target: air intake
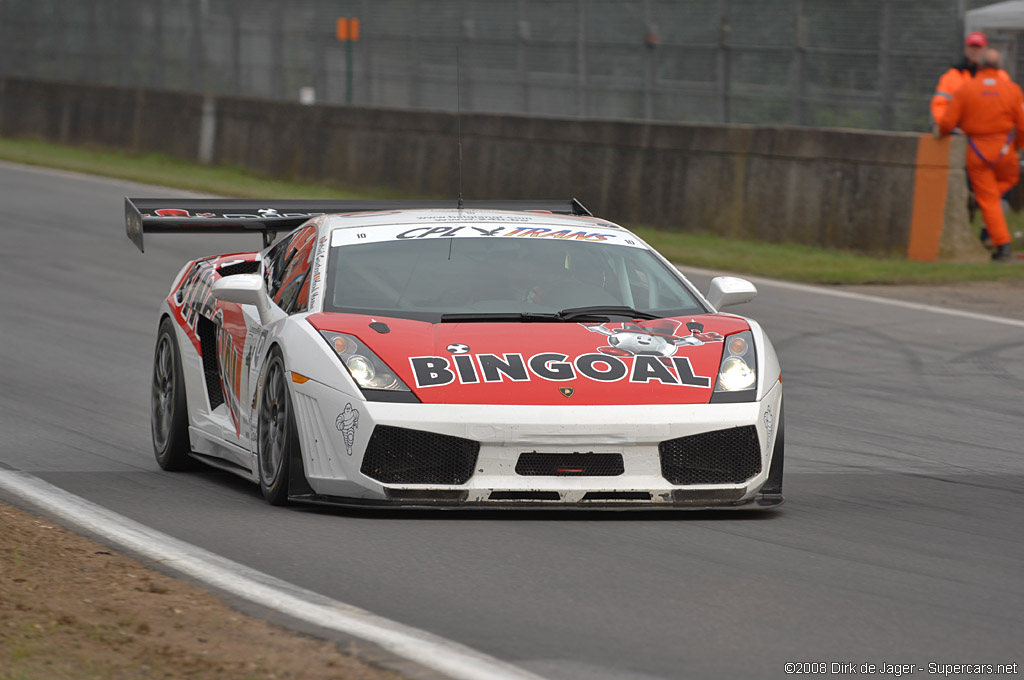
(721, 457)
(396, 455)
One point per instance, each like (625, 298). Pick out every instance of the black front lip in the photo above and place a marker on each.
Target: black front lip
(758, 502)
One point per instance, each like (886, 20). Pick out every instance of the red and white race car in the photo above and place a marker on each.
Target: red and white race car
(491, 354)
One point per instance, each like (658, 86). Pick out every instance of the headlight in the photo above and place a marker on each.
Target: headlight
(365, 367)
(737, 374)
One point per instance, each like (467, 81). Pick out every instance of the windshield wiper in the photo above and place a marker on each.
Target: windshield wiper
(592, 313)
(498, 316)
(574, 313)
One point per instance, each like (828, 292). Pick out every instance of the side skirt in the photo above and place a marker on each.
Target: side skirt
(225, 453)
(225, 465)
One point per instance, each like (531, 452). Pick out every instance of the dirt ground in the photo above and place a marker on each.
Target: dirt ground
(73, 608)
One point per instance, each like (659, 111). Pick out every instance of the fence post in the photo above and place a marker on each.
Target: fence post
(415, 96)
(723, 59)
(522, 38)
(885, 112)
(276, 37)
(196, 60)
(236, 50)
(158, 44)
(207, 130)
(798, 68)
(651, 50)
(59, 46)
(581, 58)
(367, 97)
(91, 39)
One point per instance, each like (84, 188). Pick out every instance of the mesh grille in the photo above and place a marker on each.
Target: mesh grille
(722, 457)
(570, 464)
(251, 267)
(396, 455)
(207, 333)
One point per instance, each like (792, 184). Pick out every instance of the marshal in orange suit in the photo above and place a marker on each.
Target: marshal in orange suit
(990, 112)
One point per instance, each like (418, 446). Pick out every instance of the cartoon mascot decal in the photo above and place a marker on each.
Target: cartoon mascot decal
(656, 337)
(347, 422)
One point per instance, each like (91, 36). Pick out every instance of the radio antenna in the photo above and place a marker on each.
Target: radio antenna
(458, 116)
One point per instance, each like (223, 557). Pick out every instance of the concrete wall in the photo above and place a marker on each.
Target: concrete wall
(834, 188)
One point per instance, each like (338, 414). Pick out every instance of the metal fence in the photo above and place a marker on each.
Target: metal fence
(834, 63)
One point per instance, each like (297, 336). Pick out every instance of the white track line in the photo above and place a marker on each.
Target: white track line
(429, 650)
(849, 295)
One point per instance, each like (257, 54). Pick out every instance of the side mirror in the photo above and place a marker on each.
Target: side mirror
(245, 289)
(729, 290)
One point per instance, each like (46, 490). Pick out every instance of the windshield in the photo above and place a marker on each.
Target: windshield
(429, 278)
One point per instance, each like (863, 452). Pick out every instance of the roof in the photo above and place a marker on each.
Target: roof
(999, 16)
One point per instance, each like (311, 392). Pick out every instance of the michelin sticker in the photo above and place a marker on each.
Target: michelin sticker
(347, 422)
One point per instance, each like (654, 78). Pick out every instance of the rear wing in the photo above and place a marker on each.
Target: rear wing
(247, 216)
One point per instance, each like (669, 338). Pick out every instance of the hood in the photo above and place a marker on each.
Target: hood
(660, 361)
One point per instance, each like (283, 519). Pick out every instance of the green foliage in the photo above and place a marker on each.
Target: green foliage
(814, 265)
(782, 261)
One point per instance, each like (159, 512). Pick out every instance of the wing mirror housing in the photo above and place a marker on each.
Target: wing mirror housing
(729, 290)
(246, 289)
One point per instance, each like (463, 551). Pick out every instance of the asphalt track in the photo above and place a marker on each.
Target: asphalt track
(901, 540)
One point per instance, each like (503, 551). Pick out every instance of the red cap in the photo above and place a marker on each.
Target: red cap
(976, 39)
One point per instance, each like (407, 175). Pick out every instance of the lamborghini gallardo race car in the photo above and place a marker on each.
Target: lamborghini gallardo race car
(441, 354)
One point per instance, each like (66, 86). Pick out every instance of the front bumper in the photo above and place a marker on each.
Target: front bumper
(334, 443)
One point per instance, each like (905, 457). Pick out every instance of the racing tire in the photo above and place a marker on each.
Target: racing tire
(277, 435)
(168, 405)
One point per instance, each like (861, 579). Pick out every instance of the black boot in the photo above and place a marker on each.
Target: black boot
(985, 240)
(1002, 253)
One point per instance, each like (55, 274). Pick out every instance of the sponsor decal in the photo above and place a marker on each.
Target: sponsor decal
(229, 366)
(769, 423)
(261, 213)
(566, 391)
(347, 422)
(316, 283)
(638, 352)
(430, 371)
(481, 229)
(655, 337)
(472, 216)
(518, 232)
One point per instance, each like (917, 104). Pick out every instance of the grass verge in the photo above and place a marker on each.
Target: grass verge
(782, 261)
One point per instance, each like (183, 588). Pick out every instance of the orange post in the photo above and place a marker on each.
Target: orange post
(347, 30)
(931, 182)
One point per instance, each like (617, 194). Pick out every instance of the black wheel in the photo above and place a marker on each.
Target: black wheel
(278, 439)
(168, 407)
